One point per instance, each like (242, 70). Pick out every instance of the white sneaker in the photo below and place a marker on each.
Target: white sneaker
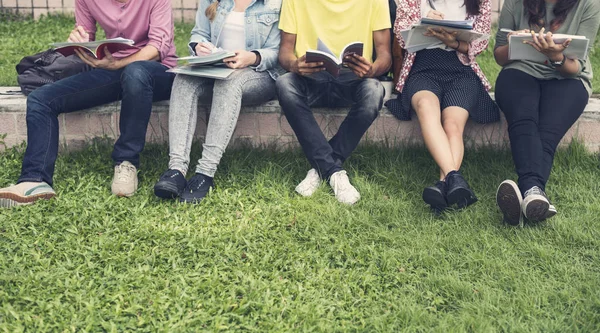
(310, 184)
(25, 193)
(344, 191)
(125, 180)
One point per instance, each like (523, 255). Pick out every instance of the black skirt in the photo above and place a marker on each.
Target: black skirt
(455, 84)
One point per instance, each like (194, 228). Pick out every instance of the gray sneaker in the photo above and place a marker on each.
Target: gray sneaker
(125, 180)
(535, 205)
(25, 193)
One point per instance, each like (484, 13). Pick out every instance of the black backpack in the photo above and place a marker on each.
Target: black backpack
(47, 67)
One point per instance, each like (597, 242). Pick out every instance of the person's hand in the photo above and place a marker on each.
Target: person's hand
(108, 62)
(544, 43)
(242, 59)
(203, 49)
(79, 35)
(362, 67)
(302, 67)
(445, 36)
(512, 33)
(435, 14)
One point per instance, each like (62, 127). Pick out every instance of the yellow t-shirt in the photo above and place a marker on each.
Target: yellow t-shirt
(336, 22)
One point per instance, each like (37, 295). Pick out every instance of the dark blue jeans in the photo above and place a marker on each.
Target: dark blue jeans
(138, 85)
(297, 94)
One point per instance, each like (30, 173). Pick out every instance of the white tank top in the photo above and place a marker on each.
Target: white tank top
(233, 35)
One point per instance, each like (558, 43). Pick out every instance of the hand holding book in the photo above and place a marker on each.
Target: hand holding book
(307, 68)
(545, 44)
(361, 67)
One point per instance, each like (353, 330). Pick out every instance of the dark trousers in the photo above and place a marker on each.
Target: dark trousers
(297, 94)
(138, 85)
(539, 113)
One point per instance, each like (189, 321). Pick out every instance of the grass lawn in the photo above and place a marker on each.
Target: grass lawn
(257, 257)
(254, 256)
(17, 43)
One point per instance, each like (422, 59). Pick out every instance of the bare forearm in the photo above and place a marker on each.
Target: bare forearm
(287, 60)
(147, 53)
(463, 47)
(382, 65)
(569, 68)
(501, 55)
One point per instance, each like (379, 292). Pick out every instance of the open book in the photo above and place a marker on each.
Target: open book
(466, 24)
(518, 50)
(213, 72)
(95, 48)
(209, 59)
(333, 64)
(415, 39)
(210, 65)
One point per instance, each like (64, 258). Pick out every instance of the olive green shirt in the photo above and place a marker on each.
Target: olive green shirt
(583, 20)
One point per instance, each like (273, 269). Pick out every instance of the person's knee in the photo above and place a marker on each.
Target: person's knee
(425, 103)
(38, 102)
(135, 77)
(453, 128)
(286, 85)
(371, 94)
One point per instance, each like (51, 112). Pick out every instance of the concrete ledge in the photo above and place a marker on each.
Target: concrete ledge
(263, 125)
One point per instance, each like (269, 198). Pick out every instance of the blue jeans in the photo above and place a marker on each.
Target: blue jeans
(297, 94)
(138, 85)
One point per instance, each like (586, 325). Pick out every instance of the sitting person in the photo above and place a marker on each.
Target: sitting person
(137, 76)
(335, 24)
(541, 101)
(446, 84)
(249, 28)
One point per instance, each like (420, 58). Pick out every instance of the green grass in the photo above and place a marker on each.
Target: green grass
(257, 257)
(17, 41)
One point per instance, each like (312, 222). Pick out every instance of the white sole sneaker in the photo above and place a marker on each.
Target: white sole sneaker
(535, 207)
(310, 184)
(509, 200)
(343, 190)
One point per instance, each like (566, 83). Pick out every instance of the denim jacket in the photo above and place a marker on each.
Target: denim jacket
(262, 31)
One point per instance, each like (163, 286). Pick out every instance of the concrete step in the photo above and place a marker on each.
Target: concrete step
(262, 125)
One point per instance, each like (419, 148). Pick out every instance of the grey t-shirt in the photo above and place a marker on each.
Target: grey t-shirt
(584, 19)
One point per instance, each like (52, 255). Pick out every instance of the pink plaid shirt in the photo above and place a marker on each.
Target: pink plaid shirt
(147, 22)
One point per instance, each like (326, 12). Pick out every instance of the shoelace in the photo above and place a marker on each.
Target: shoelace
(535, 190)
(124, 172)
(195, 184)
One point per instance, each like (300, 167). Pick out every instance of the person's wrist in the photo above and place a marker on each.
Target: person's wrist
(558, 57)
(456, 44)
(256, 58)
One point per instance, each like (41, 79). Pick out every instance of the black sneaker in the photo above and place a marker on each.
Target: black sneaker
(197, 188)
(459, 193)
(170, 185)
(435, 196)
(535, 204)
(509, 199)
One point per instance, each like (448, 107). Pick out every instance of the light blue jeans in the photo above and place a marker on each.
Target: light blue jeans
(245, 86)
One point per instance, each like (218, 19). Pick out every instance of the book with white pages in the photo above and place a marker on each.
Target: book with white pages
(519, 50)
(416, 39)
(213, 72)
(216, 57)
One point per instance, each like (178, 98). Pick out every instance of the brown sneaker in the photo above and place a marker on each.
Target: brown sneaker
(125, 180)
(25, 193)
